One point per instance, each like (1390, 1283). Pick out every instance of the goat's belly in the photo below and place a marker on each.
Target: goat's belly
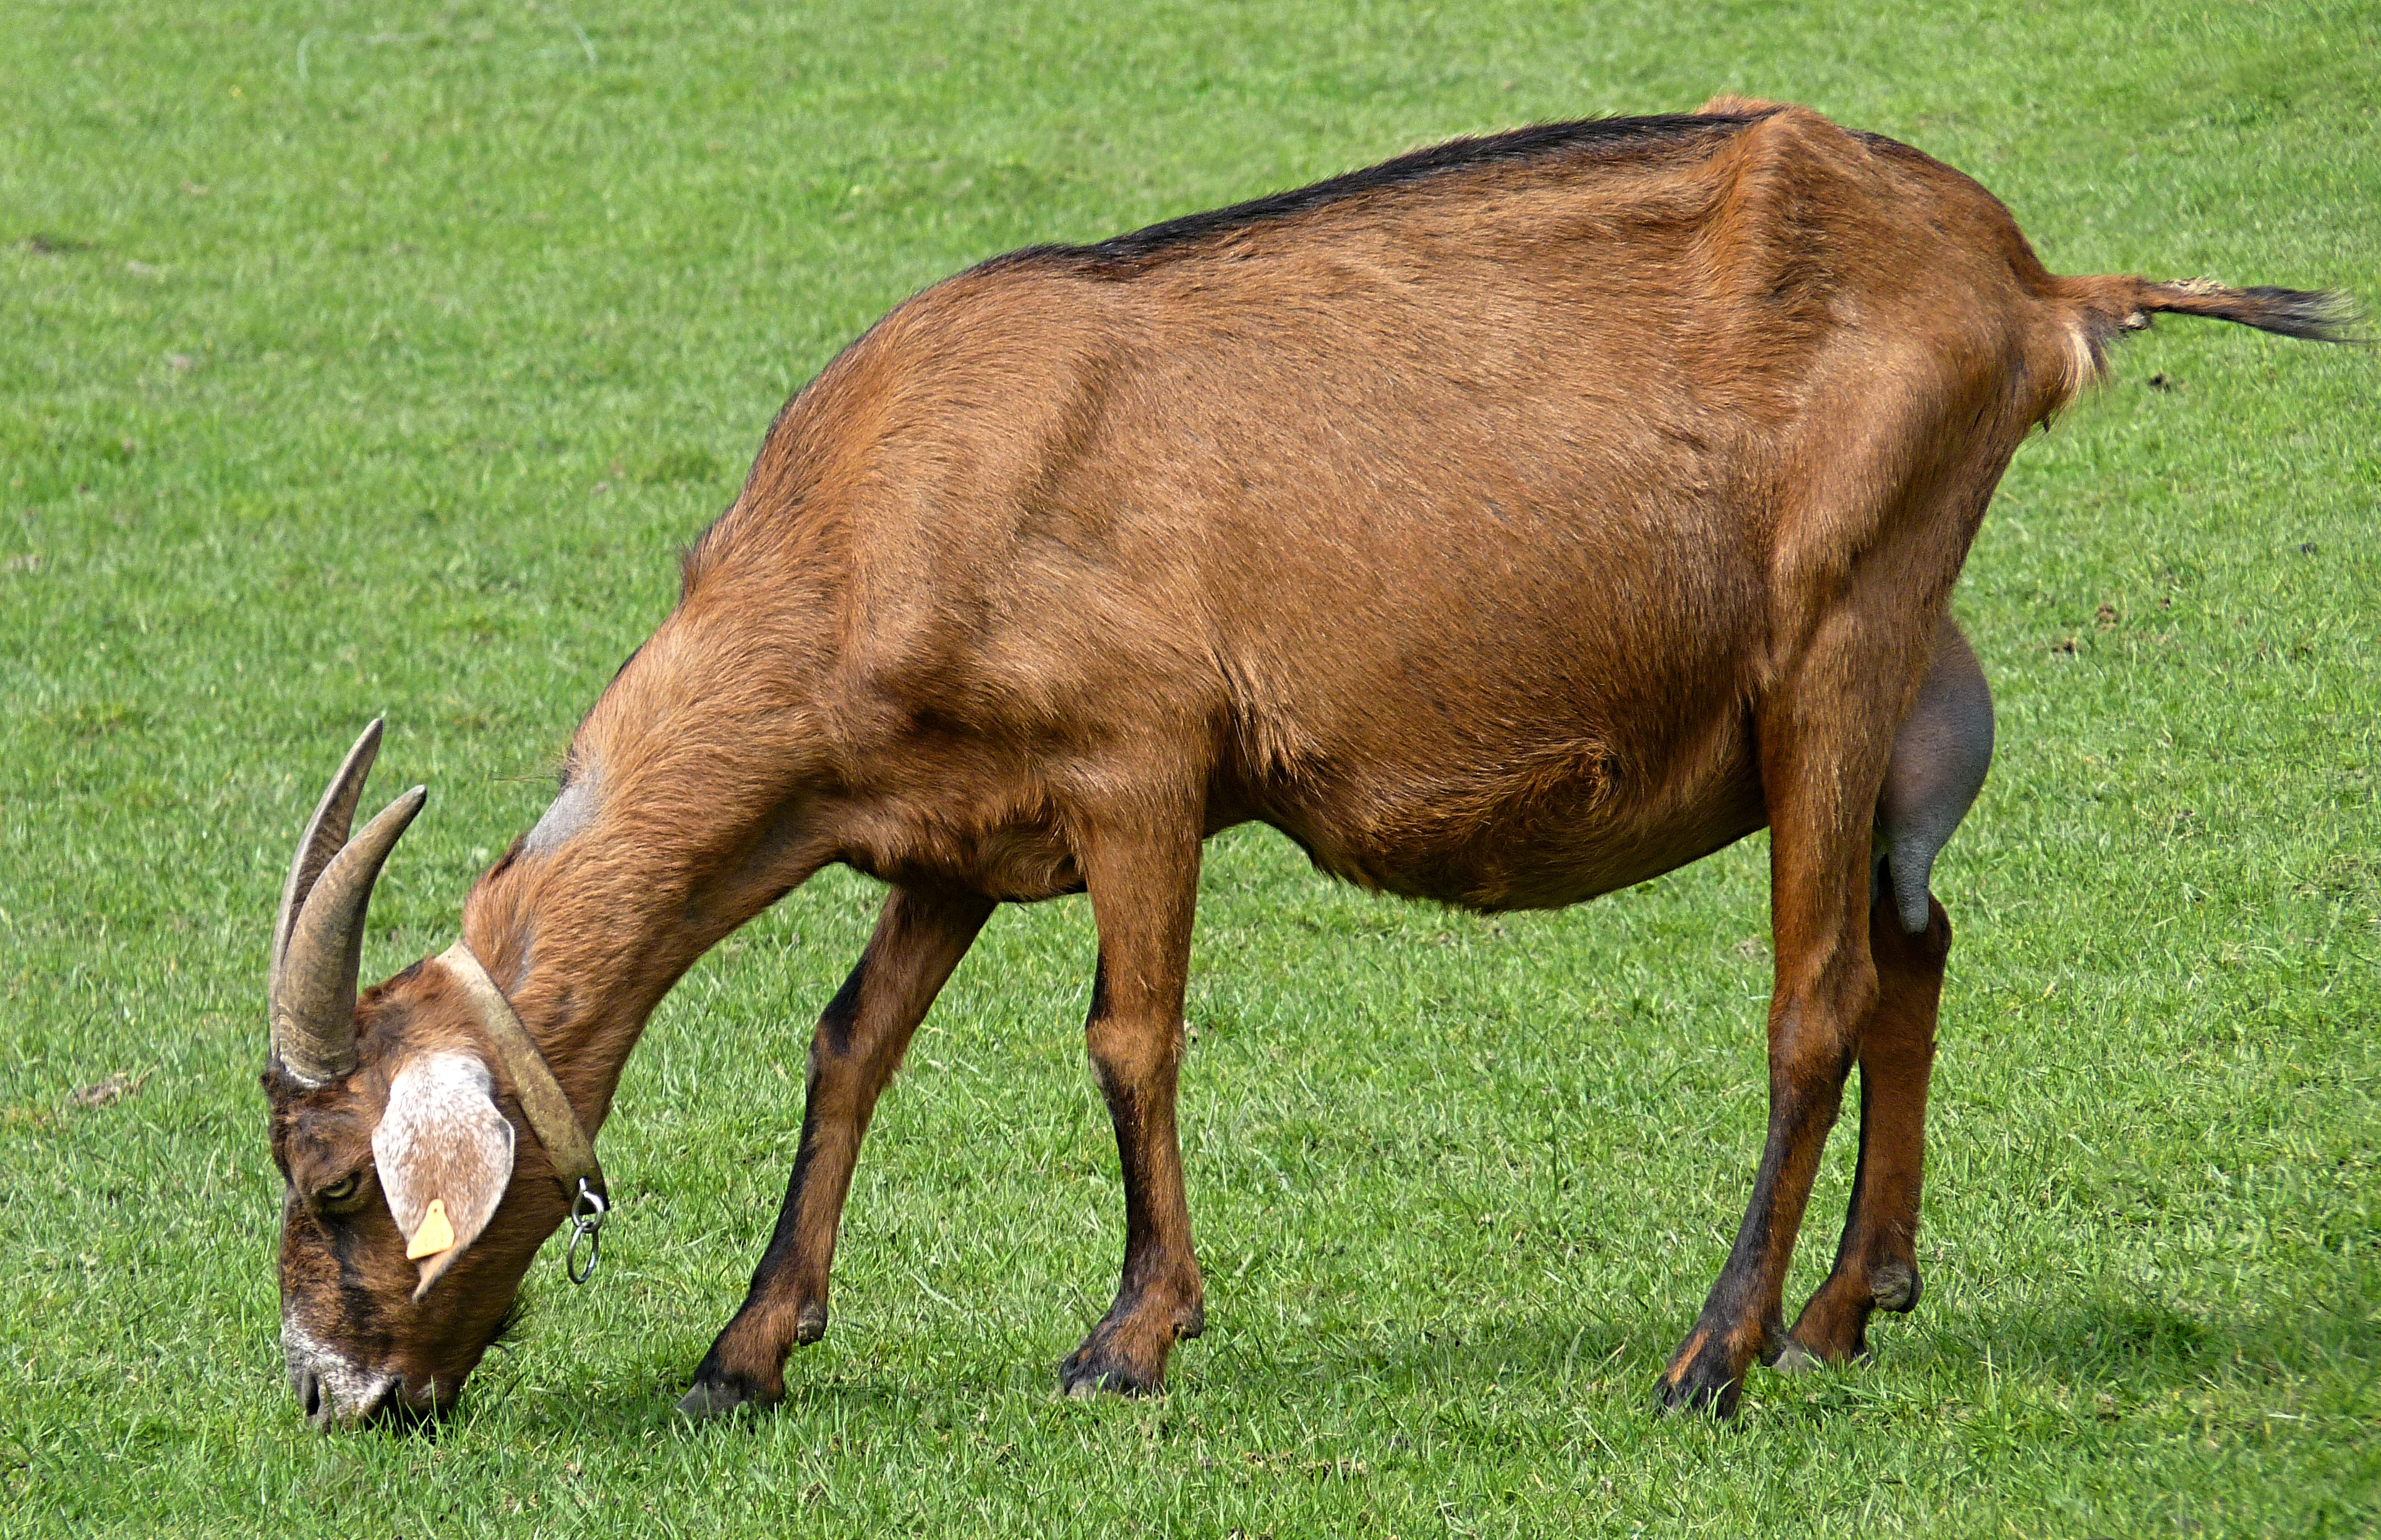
(1523, 834)
(1559, 867)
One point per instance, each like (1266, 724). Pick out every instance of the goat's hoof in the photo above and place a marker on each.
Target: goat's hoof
(1096, 1368)
(1795, 1359)
(1704, 1376)
(1080, 1380)
(719, 1398)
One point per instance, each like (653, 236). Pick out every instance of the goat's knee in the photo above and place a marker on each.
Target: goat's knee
(1940, 756)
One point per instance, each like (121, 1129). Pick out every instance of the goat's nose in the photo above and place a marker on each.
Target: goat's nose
(309, 1392)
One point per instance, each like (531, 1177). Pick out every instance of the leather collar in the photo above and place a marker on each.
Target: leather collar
(549, 1112)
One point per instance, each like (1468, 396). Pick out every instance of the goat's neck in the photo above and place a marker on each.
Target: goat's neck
(586, 933)
(685, 812)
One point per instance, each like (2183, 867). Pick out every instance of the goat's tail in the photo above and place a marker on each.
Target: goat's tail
(2315, 314)
(2104, 308)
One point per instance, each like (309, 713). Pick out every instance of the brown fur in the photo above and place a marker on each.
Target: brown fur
(1506, 527)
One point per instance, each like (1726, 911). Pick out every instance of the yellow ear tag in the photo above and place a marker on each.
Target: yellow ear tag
(434, 1234)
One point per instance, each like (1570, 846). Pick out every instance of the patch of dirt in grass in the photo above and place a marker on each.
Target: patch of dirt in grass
(114, 1088)
(97, 719)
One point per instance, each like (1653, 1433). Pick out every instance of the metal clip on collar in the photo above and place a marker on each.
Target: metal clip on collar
(587, 1211)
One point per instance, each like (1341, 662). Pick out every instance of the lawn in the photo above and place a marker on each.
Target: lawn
(364, 358)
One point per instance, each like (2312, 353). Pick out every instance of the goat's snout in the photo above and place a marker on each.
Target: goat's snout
(331, 1390)
(331, 1400)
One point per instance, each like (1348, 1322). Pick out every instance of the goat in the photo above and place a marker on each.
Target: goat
(1506, 524)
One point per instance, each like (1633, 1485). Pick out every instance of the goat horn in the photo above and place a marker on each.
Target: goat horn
(324, 833)
(321, 944)
(314, 1003)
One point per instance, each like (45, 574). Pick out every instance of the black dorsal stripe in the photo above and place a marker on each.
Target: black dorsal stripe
(1593, 136)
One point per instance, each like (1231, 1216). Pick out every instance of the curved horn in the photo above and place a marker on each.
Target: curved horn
(313, 995)
(324, 833)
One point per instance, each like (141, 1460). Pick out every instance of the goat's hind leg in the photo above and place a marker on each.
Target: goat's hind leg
(859, 1043)
(1822, 729)
(1940, 758)
(1818, 734)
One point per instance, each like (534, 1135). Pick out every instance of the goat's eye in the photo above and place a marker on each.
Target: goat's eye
(341, 1189)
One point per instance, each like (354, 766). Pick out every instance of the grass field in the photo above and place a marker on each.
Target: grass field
(361, 358)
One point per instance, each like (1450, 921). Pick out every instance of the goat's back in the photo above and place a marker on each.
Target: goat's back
(1441, 515)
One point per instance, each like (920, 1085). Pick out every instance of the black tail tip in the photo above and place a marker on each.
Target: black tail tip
(2317, 316)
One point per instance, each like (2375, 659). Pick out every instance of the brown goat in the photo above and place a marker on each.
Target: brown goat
(1506, 524)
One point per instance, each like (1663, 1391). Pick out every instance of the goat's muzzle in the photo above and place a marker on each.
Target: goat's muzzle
(332, 1392)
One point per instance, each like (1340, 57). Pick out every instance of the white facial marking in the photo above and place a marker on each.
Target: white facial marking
(571, 812)
(347, 1386)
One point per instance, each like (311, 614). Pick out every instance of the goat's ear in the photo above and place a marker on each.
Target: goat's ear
(444, 1154)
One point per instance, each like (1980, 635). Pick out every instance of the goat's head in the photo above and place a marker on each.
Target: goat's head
(406, 1225)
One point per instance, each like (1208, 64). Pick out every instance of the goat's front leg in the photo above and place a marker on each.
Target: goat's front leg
(1145, 888)
(860, 1037)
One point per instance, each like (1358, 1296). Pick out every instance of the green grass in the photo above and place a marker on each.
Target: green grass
(394, 387)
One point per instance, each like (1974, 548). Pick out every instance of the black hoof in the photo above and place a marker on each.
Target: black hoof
(1094, 1370)
(1700, 1393)
(1700, 1378)
(718, 1395)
